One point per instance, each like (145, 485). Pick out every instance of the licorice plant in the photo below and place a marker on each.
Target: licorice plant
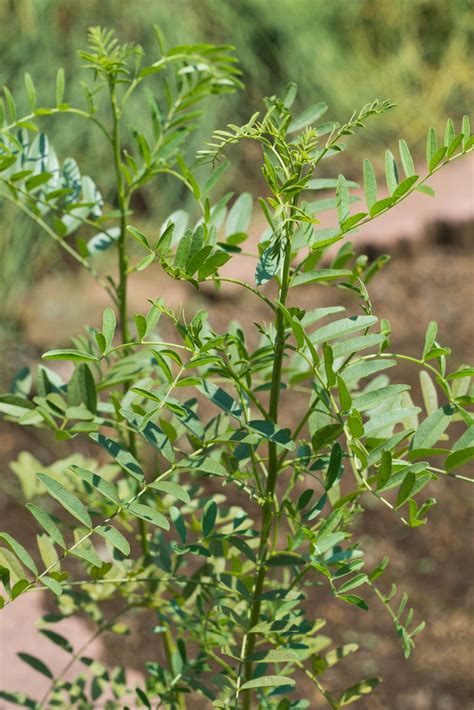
(225, 469)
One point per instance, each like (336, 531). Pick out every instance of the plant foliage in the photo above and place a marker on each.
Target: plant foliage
(212, 510)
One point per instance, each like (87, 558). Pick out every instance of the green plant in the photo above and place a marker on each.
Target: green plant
(220, 513)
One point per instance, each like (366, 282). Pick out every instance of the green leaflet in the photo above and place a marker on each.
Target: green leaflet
(432, 428)
(239, 216)
(209, 518)
(183, 412)
(123, 457)
(115, 538)
(151, 432)
(381, 422)
(57, 639)
(328, 364)
(173, 489)
(373, 398)
(107, 489)
(431, 145)
(325, 435)
(334, 466)
(307, 117)
(22, 554)
(88, 555)
(353, 583)
(188, 247)
(320, 276)
(365, 687)
(404, 187)
(74, 355)
(342, 199)
(406, 158)
(141, 239)
(47, 551)
(268, 681)
(36, 664)
(273, 655)
(459, 458)
(355, 424)
(431, 333)
(207, 465)
(370, 184)
(385, 470)
(68, 500)
(406, 489)
(81, 388)
(285, 559)
(345, 397)
(272, 432)
(212, 264)
(52, 584)
(342, 327)
(365, 368)
(109, 324)
(465, 440)
(60, 84)
(48, 523)
(449, 132)
(391, 171)
(429, 392)
(145, 512)
(316, 314)
(221, 398)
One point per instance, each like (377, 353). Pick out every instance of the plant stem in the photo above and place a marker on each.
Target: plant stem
(122, 206)
(267, 513)
(122, 266)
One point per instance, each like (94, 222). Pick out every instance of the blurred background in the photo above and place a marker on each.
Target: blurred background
(418, 53)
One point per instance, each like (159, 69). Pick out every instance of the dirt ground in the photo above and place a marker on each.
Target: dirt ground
(429, 278)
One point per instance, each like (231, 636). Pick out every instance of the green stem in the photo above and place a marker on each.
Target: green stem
(122, 266)
(122, 206)
(249, 640)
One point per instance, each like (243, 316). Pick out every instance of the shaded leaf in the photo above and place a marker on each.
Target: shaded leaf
(22, 554)
(239, 216)
(307, 117)
(149, 514)
(115, 538)
(104, 487)
(36, 664)
(68, 500)
(272, 432)
(365, 687)
(123, 457)
(47, 523)
(370, 184)
(432, 428)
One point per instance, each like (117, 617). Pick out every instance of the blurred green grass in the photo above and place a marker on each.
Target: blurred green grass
(418, 53)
